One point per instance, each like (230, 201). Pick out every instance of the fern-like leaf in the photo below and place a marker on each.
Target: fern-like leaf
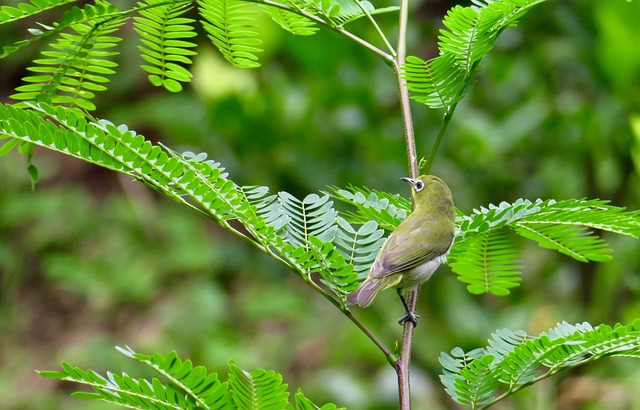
(488, 262)
(576, 242)
(590, 213)
(204, 388)
(163, 32)
(337, 274)
(466, 36)
(189, 387)
(438, 83)
(565, 226)
(469, 35)
(385, 209)
(78, 65)
(292, 22)
(257, 390)
(359, 247)
(10, 14)
(312, 216)
(231, 28)
(513, 360)
(303, 403)
(123, 390)
(306, 228)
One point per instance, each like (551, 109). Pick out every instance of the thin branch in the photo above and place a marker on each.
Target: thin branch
(443, 127)
(402, 365)
(447, 118)
(338, 29)
(378, 30)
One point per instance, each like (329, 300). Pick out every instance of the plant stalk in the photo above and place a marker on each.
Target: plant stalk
(403, 363)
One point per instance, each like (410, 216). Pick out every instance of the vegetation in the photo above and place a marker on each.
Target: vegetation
(143, 272)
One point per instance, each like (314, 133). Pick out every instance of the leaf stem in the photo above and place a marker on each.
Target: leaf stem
(436, 144)
(378, 30)
(339, 29)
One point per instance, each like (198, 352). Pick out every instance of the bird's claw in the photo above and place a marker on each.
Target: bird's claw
(409, 317)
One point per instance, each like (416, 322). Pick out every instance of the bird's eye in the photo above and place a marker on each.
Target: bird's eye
(419, 186)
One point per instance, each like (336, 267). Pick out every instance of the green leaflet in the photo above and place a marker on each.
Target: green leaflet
(359, 246)
(385, 209)
(78, 64)
(232, 29)
(164, 45)
(290, 21)
(33, 7)
(307, 234)
(486, 255)
(184, 386)
(488, 262)
(469, 35)
(513, 359)
(258, 389)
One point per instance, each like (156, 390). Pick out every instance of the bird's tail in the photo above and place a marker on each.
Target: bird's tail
(364, 295)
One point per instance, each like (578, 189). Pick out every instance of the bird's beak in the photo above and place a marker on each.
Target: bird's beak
(408, 180)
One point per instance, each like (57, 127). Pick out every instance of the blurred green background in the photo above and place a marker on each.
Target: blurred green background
(91, 260)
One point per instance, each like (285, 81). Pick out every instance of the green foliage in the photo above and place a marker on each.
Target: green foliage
(488, 262)
(386, 209)
(312, 216)
(292, 22)
(81, 61)
(485, 253)
(307, 235)
(9, 13)
(360, 246)
(469, 34)
(77, 68)
(186, 386)
(258, 389)
(299, 234)
(162, 33)
(513, 360)
(231, 27)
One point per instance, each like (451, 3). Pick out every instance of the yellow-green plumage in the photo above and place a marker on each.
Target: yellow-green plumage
(415, 249)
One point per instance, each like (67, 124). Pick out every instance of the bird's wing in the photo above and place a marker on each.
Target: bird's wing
(402, 252)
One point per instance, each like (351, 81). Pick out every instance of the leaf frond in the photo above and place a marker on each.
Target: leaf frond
(290, 21)
(79, 63)
(469, 34)
(488, 262)
(164, 34)
(312, 216)
(189, 387)
(385, 209)
(565, 226)
(438, 83)
(23, 10)
(232, 29)
(513, 359)
(359, 246)
(258, 389)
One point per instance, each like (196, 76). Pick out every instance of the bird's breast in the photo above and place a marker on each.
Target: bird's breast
(421, 273)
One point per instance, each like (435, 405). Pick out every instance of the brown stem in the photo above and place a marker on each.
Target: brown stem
(402, 365)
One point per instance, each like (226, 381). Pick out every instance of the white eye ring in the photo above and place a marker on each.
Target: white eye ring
(419, 186)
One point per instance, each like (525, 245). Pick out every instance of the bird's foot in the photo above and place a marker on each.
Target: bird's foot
(409, 317)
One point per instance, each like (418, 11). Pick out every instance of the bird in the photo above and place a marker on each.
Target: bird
(415, 248)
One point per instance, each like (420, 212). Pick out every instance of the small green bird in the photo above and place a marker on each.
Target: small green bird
(415, 249)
